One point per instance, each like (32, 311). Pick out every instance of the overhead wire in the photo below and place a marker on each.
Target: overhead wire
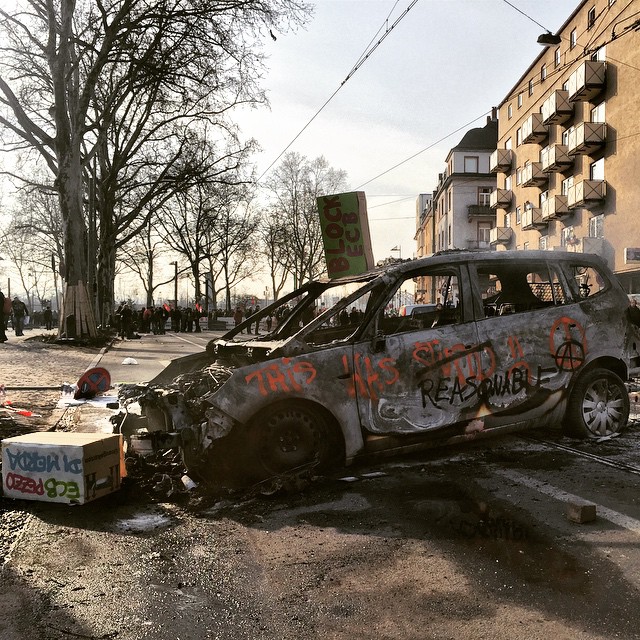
(513, 6)
(361, 60)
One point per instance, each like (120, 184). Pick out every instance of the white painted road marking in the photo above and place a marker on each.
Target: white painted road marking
(615, 517)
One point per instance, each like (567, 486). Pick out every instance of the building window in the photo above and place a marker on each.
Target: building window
(567, 239)
(591, 17)
(471, 164)
(484, 196)
(519, 175)
(519, 99)
(484, 233)
(543, 73)
(598, 113)
(544, 196)
(507, 220)
(566, 185)
(543, 243)
(573, 39)
(510, 111)
(508, 145)
(596, 226)
(518, 137)
(530, 87)
(596, 170)
(507, 183)
(525, 246)
(556, 57)
(518, 215)
(566, 134)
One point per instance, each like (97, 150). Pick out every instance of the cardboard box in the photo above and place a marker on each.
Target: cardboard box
(72, 468)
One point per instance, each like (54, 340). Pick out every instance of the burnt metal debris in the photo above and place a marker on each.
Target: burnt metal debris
(334, 371)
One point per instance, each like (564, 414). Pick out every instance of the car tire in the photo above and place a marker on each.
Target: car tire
(598, 405)
(292, 437)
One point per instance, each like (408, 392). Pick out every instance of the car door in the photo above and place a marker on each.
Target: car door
(533, 343)
(411, 378)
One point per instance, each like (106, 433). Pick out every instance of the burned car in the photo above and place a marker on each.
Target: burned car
(517, 339)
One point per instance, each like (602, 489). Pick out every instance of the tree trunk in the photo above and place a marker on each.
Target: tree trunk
(77, 318)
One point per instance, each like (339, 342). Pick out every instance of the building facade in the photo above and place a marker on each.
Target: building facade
(568, 155)
(458, 215)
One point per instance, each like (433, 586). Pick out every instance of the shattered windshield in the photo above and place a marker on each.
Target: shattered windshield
(331, 310)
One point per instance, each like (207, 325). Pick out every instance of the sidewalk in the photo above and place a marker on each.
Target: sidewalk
(35, 371)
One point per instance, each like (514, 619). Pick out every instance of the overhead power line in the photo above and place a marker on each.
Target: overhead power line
(361, 60)
(513, 6)
(415, 155)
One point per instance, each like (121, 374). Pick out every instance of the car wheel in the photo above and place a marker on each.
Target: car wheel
(293, 437)
(598, 406)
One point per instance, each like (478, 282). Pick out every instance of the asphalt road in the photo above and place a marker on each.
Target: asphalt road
(472, 542)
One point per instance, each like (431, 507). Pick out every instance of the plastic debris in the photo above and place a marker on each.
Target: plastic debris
(129, 361)
(188, 483)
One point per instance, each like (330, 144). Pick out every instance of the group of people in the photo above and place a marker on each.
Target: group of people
(240, 314)
(128, 321)
(14, 309)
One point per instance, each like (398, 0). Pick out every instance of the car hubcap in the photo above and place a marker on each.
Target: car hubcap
(602, 408)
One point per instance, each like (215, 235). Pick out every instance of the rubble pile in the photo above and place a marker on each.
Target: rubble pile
(151, 420)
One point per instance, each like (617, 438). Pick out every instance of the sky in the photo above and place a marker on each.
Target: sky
(436, 75)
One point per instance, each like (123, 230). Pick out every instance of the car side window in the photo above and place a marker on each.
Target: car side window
(440, 303)
(588, 279)
(508, 289)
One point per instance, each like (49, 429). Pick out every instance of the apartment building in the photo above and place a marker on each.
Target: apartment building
(458, 214)
(568, 156)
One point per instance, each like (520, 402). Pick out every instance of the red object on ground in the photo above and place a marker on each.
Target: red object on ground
(92, 382)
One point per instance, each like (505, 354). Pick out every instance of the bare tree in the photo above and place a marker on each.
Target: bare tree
(32, 241)
(158, 62)
(275, 250)
(140, 256)
(213, 229)
(294, 187)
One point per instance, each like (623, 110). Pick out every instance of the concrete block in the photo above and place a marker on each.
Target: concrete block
(581, 511)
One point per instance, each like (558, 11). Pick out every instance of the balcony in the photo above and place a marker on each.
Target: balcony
(533, 175)
(555, 207)
(501, 160)
(587, 192)
(586, 138)
(478, 245)
(555, 158)
(557, 109)
(532, 219)
(593, 245)
(500, 199)
(587, 81)
(500, 235)
(533, 129)
(480, 211)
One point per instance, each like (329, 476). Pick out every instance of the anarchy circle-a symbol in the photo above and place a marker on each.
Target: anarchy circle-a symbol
(569, 355)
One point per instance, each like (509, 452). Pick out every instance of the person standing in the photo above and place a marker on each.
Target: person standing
(237, 316)
(255, 312)
(19, 311)
(3, 319)
(633, 313)
(48, 318)
(126, 321)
